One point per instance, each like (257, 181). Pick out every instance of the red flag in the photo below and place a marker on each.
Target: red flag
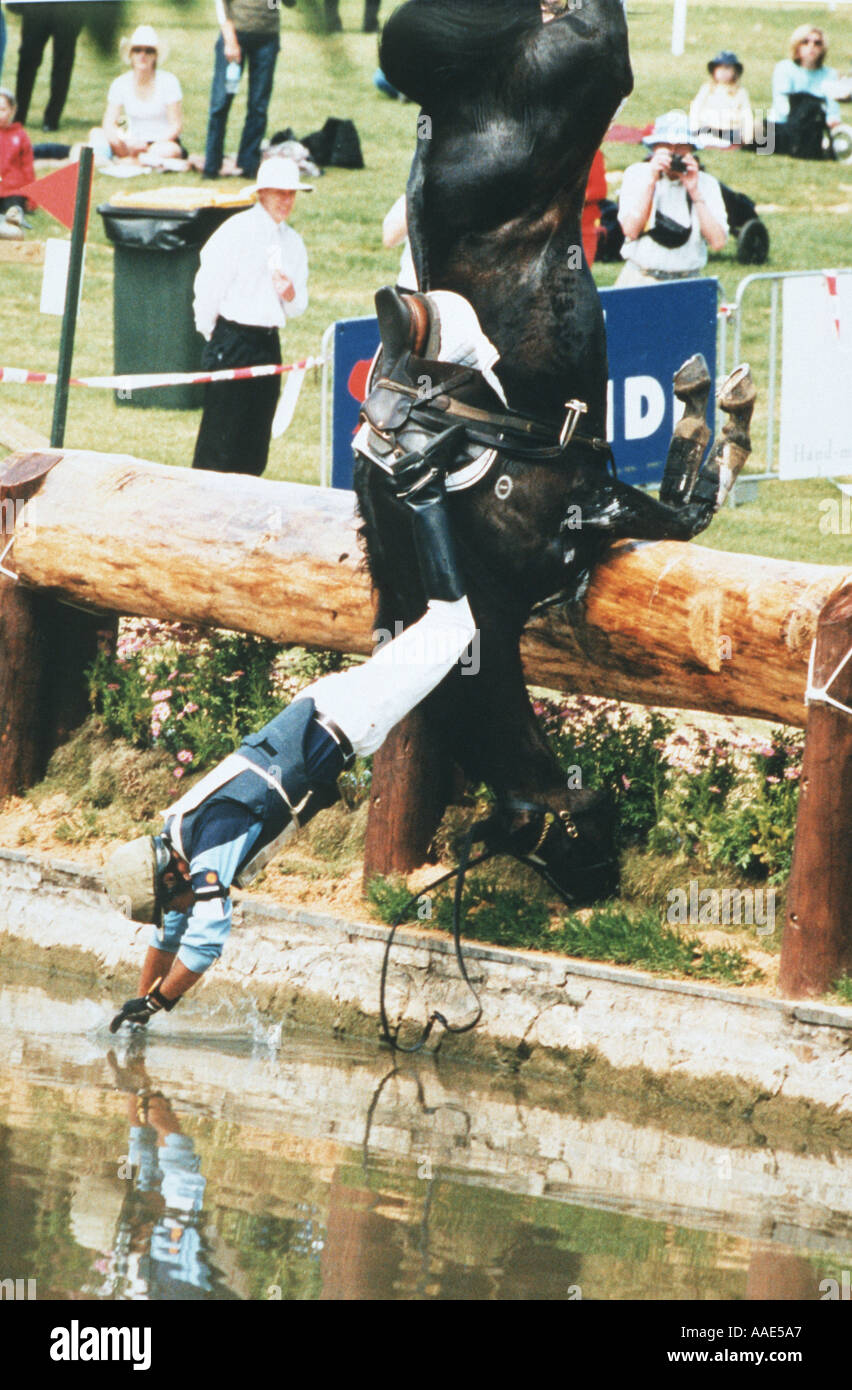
(56, 193)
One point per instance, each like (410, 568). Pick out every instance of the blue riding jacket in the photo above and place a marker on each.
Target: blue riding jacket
(277, 779)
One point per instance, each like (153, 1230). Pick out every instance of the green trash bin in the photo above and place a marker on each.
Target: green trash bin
(157, 254)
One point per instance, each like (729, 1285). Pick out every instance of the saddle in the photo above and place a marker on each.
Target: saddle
(445, 412)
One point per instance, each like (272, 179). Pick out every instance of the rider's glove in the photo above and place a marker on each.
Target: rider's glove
(139, 1010)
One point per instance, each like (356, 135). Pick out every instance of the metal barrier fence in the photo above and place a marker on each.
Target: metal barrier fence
(730, 317)
(735, 311)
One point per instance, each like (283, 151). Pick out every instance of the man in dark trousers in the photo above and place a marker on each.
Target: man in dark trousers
(253, 278)
(39, 22)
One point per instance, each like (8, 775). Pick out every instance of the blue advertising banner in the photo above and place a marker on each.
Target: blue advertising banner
(650, 331)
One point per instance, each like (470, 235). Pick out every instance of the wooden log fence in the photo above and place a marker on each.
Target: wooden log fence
(664, 623)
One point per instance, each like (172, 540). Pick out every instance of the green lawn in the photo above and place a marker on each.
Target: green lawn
(318, 76)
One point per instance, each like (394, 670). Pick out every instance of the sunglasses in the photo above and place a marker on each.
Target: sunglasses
(143, 50)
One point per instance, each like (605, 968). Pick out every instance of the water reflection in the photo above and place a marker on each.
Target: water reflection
(189, 1170)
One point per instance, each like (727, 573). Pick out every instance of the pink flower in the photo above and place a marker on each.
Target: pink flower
(178, 772)
(160, 695)
(625, 782)
(190, 708)
(773, 780)
(155, 727)
(113, 687)
(792, 774)
(184, 756)
(161, 711)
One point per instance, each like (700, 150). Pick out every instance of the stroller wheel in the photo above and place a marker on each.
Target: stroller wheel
(753, 243)
(841, 143)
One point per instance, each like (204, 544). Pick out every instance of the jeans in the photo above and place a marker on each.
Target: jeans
(260, 53)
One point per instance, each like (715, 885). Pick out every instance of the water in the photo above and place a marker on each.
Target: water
(221, 1159)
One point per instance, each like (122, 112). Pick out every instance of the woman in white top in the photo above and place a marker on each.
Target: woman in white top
(144, 113)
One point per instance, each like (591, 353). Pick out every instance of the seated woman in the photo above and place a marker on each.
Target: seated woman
(722, 107)
(803, 71)
(144, 116)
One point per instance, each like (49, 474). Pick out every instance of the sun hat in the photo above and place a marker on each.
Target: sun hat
(143, 36)
(726, 59)
(282, 174)
(672, 129)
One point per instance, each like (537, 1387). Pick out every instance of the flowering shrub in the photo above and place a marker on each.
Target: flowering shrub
(730, 798)
(195, 694)
(610, 745)
(734, 801)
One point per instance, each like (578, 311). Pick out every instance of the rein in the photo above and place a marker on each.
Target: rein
(508, 433)
(478, 831)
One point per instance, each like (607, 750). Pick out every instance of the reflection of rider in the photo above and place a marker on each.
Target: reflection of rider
(159, 1251)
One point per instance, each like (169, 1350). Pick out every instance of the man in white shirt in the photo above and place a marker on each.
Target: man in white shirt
(670, 211)
(253, 277)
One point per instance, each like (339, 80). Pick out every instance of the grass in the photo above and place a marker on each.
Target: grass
(622, 934)
(320, 75)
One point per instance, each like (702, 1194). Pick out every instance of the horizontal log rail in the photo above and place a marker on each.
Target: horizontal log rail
(664, 623)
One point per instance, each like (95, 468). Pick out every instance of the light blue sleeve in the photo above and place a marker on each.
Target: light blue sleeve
(169, 936)
(209, 921)
(832, 110)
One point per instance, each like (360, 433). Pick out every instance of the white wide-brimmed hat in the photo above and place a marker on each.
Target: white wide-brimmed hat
(143, 36)
(282, 174)
(673, 129)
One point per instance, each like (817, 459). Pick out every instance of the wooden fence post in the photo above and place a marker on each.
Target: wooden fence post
(45, 648)
(817, 945)
(412, 785)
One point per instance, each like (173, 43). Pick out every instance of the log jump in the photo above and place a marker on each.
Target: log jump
(663, 623)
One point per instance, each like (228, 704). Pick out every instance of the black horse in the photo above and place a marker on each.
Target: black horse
(516, 97)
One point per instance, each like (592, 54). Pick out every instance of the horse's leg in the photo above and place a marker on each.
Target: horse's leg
(736, 398)
(622, 512)
(488, 723)
(691, 434)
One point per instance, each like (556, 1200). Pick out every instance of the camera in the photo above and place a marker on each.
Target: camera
(678, 165)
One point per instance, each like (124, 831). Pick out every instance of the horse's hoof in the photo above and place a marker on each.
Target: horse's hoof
(693, 375)
(573, 853)
(737, 390)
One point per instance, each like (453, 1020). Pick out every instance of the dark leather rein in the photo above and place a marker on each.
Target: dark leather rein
(508, 433)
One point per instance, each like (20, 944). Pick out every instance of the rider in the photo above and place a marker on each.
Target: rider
(231, 823)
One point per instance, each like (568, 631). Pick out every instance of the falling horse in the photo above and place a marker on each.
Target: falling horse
(516, 97)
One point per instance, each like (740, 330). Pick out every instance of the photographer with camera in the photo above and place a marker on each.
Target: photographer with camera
(670, 210)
